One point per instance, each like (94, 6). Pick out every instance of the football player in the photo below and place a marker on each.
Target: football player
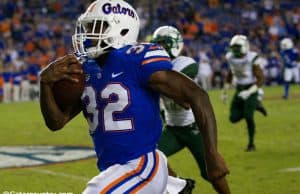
(290, 58)
(180, 130)
(7, 76)
(245, 70)
(121, 101)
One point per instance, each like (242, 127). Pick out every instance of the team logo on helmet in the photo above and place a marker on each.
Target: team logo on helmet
(108, 8)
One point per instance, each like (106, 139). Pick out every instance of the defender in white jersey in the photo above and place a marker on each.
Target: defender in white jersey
(248, 76)
(180, 128)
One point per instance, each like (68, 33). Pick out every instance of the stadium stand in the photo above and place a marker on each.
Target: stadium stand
(32, 33)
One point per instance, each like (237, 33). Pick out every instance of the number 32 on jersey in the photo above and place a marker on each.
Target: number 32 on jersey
(117, 99)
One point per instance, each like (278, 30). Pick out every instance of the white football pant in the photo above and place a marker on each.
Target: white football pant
(147, 174)
(290, 73)
(7, 92)
(16, 93)
(25, 90)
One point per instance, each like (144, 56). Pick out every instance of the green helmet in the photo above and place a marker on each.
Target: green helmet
(170, 38)
(239, 45)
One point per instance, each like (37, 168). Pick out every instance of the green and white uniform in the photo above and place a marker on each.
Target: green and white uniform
(241, 68)
(175, 115)
(243, 77)
(181, 130)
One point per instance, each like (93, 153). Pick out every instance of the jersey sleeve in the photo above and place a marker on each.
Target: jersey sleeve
(154, 59)
(191, 70)
(255, 59)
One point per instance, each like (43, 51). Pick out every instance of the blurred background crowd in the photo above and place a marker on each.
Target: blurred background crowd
(34, 32)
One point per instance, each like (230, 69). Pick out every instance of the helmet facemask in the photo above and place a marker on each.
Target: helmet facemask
(167, 42)
(236, 50)
(91, 37)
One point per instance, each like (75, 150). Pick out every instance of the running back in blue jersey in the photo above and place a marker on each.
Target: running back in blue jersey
(122, 111)
(290, 58)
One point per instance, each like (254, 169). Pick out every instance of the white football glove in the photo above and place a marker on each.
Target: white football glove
(246, 93)
(260, 93)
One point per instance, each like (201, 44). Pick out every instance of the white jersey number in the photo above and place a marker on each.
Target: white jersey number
(89, 95)
(118, 100)
(114, 107)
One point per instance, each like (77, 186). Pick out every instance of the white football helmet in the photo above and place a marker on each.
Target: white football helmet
(239, 45)
(170, 38)
(286, 44)
(105, 24)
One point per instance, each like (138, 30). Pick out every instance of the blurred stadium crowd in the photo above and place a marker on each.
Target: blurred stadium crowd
(34, 32)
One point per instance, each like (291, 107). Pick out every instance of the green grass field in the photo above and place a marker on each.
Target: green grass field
(260, 172)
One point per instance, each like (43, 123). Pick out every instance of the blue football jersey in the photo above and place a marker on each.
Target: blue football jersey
(290, 58)
(122, 111)
(7, 76)
(17, 78)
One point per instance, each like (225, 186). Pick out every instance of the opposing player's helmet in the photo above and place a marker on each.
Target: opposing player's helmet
(170, 38)
(105, 24)
(286, 44)
(239, 45)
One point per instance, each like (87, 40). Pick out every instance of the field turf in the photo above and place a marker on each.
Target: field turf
(273, 169)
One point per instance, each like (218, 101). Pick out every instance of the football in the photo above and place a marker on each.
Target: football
(67, 92)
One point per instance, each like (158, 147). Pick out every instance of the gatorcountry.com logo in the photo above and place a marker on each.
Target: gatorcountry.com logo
(108, 8)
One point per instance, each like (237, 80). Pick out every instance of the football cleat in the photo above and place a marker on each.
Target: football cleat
(190, 185)
(260, 108)
(250, 148)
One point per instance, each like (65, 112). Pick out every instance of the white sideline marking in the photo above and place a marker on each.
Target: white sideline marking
(43, 171)
(296, 169)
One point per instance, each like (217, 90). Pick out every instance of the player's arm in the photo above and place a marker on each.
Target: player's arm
(184, 91)
(229, 77)
(55, 118)
(258, 73)
(227, 83)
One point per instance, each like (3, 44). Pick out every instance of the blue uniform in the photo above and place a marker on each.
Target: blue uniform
(122, 111)
(290, 58)
(7, 76)
(17, 78)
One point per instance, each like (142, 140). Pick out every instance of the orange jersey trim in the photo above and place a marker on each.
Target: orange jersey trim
(154, 60)
(154, 47)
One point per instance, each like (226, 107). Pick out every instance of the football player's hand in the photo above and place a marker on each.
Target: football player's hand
(221, 186)
(217, 171)
(60, 69)
(244, 94)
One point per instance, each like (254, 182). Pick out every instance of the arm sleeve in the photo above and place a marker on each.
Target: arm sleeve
(156, 59)
(191, 70)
